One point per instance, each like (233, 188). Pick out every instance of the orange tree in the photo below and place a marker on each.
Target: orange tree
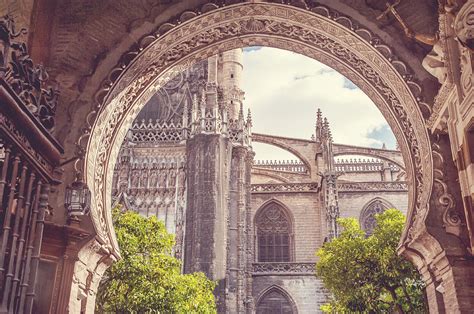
(365, 274)
(148, 277)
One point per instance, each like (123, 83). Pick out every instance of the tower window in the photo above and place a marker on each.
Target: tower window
(232, 76)
(273, 234)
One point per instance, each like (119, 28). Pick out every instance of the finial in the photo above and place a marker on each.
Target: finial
(249, 118)
(241, 112)
(383, 146)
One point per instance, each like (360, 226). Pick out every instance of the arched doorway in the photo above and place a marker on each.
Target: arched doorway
(275, 301)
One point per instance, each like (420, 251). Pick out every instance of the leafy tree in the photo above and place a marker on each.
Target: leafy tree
(148, 278)
(365, 274)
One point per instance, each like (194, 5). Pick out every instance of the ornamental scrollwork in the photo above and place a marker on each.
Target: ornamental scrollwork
(284, 187)
(372, 186)
(284, 268)
(29, 81)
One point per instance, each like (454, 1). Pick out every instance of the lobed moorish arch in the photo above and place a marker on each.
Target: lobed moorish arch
(317, 33)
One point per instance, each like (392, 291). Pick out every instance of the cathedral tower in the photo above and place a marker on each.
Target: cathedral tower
(229, 77)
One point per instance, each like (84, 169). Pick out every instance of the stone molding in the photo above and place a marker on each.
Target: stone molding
(282, 269)
(284, 188)
(397, 186)
(325, 35)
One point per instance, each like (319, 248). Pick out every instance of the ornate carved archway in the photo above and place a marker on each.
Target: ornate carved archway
(320, 34)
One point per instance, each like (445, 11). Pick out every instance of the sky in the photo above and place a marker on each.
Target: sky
(283, 90)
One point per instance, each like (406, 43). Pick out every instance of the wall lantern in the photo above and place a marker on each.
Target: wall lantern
(78, 198)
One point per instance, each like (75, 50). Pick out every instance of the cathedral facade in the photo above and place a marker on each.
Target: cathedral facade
(252, 225)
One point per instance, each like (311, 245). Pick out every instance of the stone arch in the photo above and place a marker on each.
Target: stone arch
(268, 174)
(280, 143)
(317, 33)
(387, 155)
(278, 291)
(287, 215)
(367, 215)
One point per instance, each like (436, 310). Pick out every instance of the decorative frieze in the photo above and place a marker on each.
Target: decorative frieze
(391, 186)
(279, 269)
(157, 131)
(285, 187)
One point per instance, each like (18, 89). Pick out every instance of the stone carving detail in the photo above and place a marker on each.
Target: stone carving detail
(464, 25)
(157, 187)
(273, 220)
(452, 216)
(21, 137)
(372, 186)
(284, 269)
(158, 132)
(326, 36)
(29, 81)
(284, 187)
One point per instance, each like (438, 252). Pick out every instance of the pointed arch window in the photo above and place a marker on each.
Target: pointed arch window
(273, 234)
(367, 216)
(275, 302)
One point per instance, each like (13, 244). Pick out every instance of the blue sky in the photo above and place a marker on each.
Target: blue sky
(284, 89)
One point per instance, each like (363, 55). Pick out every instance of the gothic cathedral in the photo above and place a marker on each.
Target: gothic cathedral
(252, 225)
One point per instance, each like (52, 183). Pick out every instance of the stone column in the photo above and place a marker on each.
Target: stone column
(239, 205)
(206, 213)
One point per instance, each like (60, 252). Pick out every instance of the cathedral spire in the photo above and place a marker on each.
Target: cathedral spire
(249, 118)
(319, 125)
(325, 131)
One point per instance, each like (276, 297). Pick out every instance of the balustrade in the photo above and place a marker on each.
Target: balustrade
(282, 165)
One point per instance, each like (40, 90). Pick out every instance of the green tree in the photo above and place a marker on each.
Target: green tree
(365, 274)
(148, 278)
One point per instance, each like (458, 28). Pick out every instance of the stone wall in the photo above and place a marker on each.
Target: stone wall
(351, 204)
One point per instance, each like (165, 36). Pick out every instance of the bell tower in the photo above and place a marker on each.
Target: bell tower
(229, 77)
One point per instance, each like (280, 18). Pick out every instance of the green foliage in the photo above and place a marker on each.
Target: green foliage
(148, 278)
(365, 274)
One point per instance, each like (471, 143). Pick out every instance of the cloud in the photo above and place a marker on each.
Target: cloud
(284, 89)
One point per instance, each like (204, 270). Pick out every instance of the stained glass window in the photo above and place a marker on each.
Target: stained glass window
(367, 217)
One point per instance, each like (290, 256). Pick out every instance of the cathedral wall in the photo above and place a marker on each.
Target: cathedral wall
(305, 209)
(351, 204)
(306, 291)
